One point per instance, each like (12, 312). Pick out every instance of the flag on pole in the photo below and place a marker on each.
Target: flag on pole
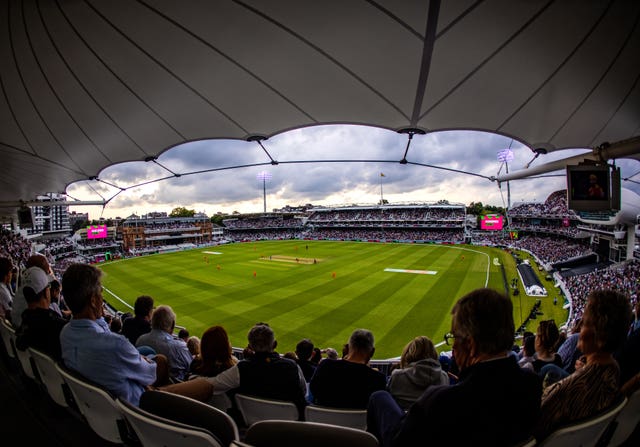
(382, 175)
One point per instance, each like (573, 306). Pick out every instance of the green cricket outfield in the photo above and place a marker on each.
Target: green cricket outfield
(320, 290)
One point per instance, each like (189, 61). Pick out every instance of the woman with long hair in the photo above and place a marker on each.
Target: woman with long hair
(547, 337)
(215, 355)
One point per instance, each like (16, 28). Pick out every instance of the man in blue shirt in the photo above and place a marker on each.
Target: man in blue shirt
(161, 340)
(91, 349)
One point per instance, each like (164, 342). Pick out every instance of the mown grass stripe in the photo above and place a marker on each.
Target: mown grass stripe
(306, 300)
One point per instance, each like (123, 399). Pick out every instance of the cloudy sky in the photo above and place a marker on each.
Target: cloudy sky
(314, 169)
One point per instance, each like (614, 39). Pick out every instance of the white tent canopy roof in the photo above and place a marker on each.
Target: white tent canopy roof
(88, 84)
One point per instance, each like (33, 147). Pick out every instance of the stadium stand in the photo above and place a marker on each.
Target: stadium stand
(542, 232)
(157, 232)
(141, 112)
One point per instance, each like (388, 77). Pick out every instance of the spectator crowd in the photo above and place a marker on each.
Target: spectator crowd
(501, 392)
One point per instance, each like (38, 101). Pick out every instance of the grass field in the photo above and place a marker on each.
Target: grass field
(315, 289)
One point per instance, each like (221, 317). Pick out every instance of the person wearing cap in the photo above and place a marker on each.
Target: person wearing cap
(40, 327)
(6, 294)
(19, 302)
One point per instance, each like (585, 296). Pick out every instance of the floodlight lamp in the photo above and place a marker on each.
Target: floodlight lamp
(505, 155)
(263, 176)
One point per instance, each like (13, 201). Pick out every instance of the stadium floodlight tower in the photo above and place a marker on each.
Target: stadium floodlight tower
(265, 176)
(505, 156)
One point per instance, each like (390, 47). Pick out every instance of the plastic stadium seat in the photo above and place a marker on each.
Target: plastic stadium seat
(27, 365)
(254, 409)
(528, 443)
(98, 407)
(24, 358)
(51, 378)
(307, 434)
(336, 416)
(154, 431)
(585, 433)
(627, 420)
(190, 412)
(7, 331)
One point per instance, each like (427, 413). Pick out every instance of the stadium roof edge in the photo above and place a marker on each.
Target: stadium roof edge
(90, 85)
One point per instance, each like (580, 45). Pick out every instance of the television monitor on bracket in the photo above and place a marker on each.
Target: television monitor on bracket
(593, 188)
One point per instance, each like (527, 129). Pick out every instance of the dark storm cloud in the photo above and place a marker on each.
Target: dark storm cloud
(201, 155)
(137, 200)
(132, 173)
(338, 143)
(313, 182)
(464, 150)
(316, 181)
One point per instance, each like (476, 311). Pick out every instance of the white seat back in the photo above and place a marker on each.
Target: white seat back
(307, 434)
(185, 410)
(531, 442)
(97, 406)
(25, 362)
(586, 433)
(8, 333)
(336, 416)
(154, 431)
(254, 409)
(627, 420)
(24, 358)
(50, 376)
(240, 444)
